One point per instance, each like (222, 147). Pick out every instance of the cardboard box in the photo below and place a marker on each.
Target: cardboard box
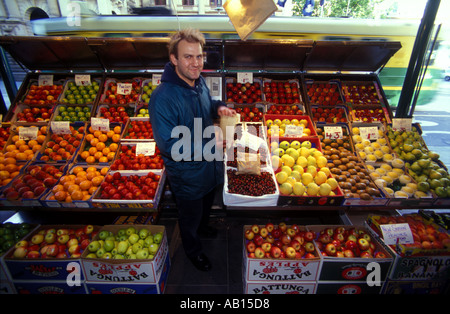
(132, 288)
(279, 270)
(99, 270)
(416, 287)
(356, 268)
(350, 287)
(280, 287)
(40, 269)
(48, 287)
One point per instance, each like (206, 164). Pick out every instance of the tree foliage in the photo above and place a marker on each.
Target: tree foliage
(342, 8)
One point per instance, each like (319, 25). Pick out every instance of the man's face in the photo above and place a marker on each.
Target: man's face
(189, 63)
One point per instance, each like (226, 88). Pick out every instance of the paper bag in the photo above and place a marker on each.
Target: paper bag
(247, 15)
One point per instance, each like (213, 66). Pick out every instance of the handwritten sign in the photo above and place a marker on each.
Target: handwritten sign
(60, 127)
(28, 133)
(397, 233)
(156, 79)
(45, 80)
(399, 124)
(146, 149)
(369, 133)
(333, 132)
(82, 80)
(100, 124)
(124, 88)
(245, 77)
(293, 130)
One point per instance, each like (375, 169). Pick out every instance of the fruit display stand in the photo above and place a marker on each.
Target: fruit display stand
(422, 264)
(48, 258)
(347, 255)
(268, 269)
(118, 275)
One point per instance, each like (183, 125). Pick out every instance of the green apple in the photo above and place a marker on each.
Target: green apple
(109, 245)
(157, 238)
(91, 255)
(100, 252)
(130, 230)
(94, 246)
(136, 247)
(129, 251)
(153, 248)
(103, 234)
(142, 254)
(121, 232)
(107, 255)
(143, 233)
(133, 238)
(122, 247)
(118, 256)
(148, 240)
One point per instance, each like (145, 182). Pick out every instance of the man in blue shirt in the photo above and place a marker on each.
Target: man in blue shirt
(182, 114)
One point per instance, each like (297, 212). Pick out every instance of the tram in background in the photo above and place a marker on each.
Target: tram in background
(220, 27)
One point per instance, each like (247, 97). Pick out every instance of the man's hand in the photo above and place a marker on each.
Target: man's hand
(225, 111)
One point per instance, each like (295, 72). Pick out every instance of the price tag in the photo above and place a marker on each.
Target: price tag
(124, 88)
(293, 130)
(397, 233)
(156, 79)
(245, 77)
(100, 124)
(399, 124)
(146, 149)
(61, 127)
(82, 80)
(369, 133)
(333, 132)
(45, 80)
(28, 133)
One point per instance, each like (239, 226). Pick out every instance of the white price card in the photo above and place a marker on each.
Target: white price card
(369, 133)
(28, 133)
(124, 88)
(400, 124)
(251, 141)
(333, 132)
(156, 79)
(146, 149)
(397, 233)
(293, 130)
(82, 79)
(100, 124)
(245, 77)
(61, 127)
(45, 80)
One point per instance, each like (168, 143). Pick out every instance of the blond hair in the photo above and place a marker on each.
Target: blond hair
(190, 35)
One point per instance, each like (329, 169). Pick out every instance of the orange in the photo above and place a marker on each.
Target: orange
(91, 169)
(77, 169)
(110, 133)
(89, 137)
(78, 180)
(85, 155)
(90, 175)
(92, 189)
(103, 137)
(11, 168)
(92, 151)
(40, 139)
(111, 155)
(20, 142)
(104, 171)
(117, 129)
(100, 146)
(11, 148)
(97, 133)
(32, 143)
(113, 147)
(98, 155)
(23, 147)
(21, 156)
(94, 141)
(76, 195)
(36, 147)
(10, 160)
(90, 160)
(85, 185)
(103, 159)
(106, 151)
(60, 195)
(68, 199)
(81, 174)
(97, 181)
(68, 184)
(72, 188)
(116, 138)
(86, 197)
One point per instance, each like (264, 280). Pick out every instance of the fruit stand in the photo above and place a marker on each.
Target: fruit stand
(78, 138)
